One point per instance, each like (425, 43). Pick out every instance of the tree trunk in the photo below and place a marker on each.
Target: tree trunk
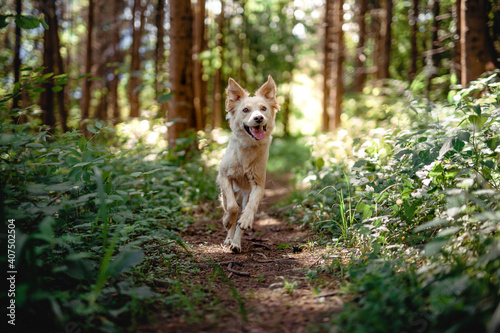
(359, 63)
(338, 51)
(477, 53)
(198, 47)
(61, 95)
(376, 36)
(135, 63)
(385, 41)
(435, 29)
(113, 90)
(17, 60)
(457, 69)
(217, 94)
(181, 111)
(87, 83)
(413, 40)
(47, 97)
(327, 65)
(160, 55)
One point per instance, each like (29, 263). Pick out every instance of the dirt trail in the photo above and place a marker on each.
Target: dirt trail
(276, 294)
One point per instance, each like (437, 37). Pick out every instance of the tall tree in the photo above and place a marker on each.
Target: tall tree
(87, 83)
(138, 21)
(181, 111)
(477, 51)
(359, 62)
(53, 63)
(17, 55)
(413, 39)
(217, 93)
(327, 64)
(334, 56)
(385, 41)
(116, 58)
(200, 87)
(160, 55)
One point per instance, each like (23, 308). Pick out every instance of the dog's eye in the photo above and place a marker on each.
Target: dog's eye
(245, 110)
(263, 108)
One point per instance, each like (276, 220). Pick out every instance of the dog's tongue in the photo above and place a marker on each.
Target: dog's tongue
(258, 132)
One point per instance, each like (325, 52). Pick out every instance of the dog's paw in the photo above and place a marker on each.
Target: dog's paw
(236, 248)
(246, 220)
(227, 241)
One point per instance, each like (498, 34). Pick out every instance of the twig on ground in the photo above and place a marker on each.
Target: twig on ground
(262, 254)
(238, 272)
(161, 245)
(261, 245)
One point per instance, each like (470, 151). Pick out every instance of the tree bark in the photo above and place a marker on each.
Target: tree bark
(413, 40)
(135, 64)
(200, 87)
(359, 63)
(327, 65)
(181, 111)
(477, 52)
(457, 69)
(113, 90)
(87, 83)
(17, 59)
(160, 55)
(217, 94)
(338, 83)
(385, 41)
(333, 87)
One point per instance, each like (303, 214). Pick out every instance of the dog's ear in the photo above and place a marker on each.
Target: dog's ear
(268, 91)
(234, 93)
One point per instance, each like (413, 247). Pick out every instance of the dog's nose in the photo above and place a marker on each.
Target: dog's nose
(258, 119)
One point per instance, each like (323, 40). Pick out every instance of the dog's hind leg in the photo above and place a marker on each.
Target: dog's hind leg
(238, 233)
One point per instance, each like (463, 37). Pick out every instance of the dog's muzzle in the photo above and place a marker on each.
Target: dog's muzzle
(256, 132)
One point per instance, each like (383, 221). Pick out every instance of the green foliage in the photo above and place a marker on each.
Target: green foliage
(423, 203)
(84, 211)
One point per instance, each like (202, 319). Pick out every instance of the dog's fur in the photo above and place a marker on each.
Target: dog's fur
(242, 172)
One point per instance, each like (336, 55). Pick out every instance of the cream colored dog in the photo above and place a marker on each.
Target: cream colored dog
(242, 173)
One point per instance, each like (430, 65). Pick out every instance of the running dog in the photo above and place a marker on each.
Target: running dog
(242, 171)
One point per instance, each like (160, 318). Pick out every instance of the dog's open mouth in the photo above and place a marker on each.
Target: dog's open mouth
(256, 132)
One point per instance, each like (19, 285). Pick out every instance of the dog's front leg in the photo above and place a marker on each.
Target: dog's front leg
(248, 215)
(229, 203)
(236, 233)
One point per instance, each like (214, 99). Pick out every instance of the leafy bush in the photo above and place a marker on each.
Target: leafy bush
(83, 212)
(426, 196)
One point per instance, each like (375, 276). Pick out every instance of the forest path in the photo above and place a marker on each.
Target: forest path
(273, 292)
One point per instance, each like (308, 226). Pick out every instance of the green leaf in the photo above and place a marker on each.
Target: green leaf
(56, 88)
(136, 174)
(164, 98)
(431, 224)
(123, 261)
(82, 143)
(91, 129)
(3, 21)
(98, 125)
(434, 247)
(27, 22)
(477, 121)
(46, 76)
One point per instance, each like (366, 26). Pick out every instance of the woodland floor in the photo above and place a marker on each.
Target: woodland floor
(262, 294)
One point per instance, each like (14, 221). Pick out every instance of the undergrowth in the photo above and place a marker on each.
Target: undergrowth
(419, 205)
(93, 218)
